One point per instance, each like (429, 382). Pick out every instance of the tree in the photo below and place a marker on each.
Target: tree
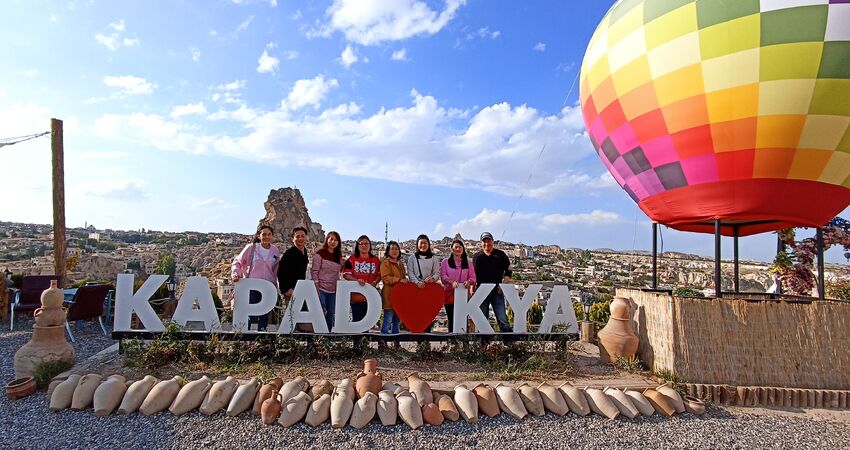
(166, 265)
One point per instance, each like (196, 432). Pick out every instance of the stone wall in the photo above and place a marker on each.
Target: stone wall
(741, 342)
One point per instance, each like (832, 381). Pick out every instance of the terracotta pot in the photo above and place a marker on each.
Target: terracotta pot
(364, 410)
(575, 399)
(321, 388)
(641, 403)
(190, 396)
(431, 415)
(487, 402)
(270, 410)
(136, 394)
(52, 297)
(694, 405)
(409, 410)
(294, 409)
(510, 402)
(342, 402)
(243, 398)
(108, 395)
(319, 411)
(387, 408)
(48, 343)
(84, 393)
(47, 317)
(660, 402)
(600, 403)
(420, 389)
(20, 388)
(161, 396)
(266, 391)
(617, 339)
(531, 399)
(447, 407)
(370, 380)
(553, 400)
(219, 396)
(291, 388)
(674, 396)
(64, 393)
(622, 402)
(467, 404)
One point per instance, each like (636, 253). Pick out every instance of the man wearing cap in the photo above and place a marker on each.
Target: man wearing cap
(493, 266)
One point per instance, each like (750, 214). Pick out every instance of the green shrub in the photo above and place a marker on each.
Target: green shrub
(46, 371)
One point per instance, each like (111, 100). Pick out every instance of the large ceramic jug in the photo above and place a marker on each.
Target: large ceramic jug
(342, 402)
(408, 409)
(531, 399)
(319, 411)
(673, 395)
(370, 380)
(293, 410)
(136, 394)
(510, 402)
(243, 398)
(420, 389)
(321, 388)
(108, 395)
(387, 408)
(161, 396)
(219, 396)
(447, 407)
(600, 403)
(467, 404)
(622, 402)
(52, 297)
(63, 393)
(552, 398)
(617, 339)
(694, 405)
(641, 403)
(270, 410)
(660, 402)
(487, 402)
(291, 388)
(575, 399)
(364, 410)
(190, 396)
(84, 393)
(266, 391)
(431, 415)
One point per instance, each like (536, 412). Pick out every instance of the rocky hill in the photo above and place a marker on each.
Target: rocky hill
(285, 210)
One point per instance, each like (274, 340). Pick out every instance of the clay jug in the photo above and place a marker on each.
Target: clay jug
(510, 402)
(266, 391)
(161, 396)
(291, 388)
(136, 394)
(390, 386)
(52, 297)
(342, 402)
(49, 317)
(219, 396)
(531, 399)
(243, 398)
(641, 403)
(364, 410)
(370, 380)
(467, 404)
(408, 409)
(293, 410)
(387, 408)
(673, 395)
(622, 402)
(552, 398)
(319, 411)
(600, 403)
(270, 410)
(431, 415)
(487, 402)
(575, 399)
(64, 393)
(660, 402)
(84, 393)
(617, 339)
(447, 407)
(321, 388)
(694, 405)
(108, 395)
(420, 389)
(190, 396)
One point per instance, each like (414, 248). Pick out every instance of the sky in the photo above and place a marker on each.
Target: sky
(435, 117)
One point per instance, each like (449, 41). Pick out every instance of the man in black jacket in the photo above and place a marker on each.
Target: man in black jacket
(493, 266)
(293, 263)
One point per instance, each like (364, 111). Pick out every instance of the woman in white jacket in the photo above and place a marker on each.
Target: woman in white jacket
(423, 266)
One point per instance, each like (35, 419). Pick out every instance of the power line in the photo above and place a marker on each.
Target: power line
(15, 140)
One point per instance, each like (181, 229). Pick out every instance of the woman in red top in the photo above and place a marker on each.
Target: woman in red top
(364, 267)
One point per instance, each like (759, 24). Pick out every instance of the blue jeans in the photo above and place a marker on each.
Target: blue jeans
(261, 321)
(497, 299)
(390, 317)
(328, 301)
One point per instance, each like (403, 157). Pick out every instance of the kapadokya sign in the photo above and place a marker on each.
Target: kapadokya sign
(306, 308)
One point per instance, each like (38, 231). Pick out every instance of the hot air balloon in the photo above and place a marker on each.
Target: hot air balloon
(729, 111)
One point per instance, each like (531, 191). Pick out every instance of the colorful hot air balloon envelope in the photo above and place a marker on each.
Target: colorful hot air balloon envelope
(733, 110)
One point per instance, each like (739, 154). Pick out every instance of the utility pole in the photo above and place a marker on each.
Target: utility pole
(57, 149)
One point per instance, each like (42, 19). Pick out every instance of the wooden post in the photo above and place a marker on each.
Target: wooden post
(57, 149)
(735, 252)
(4, 298)
(819, 245)
(654, 255)
(717, 274)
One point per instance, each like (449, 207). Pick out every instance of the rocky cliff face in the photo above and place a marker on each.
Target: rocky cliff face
(285, 210)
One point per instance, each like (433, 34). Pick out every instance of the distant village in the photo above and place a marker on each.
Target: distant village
(101, 254)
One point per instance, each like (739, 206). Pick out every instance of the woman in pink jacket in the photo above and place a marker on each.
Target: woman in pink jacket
(257, 261)
(456, 271)
(325, 270)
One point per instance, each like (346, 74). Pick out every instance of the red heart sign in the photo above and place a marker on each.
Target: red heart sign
(417, 307)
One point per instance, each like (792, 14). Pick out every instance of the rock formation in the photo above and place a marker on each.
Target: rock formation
(285, 210)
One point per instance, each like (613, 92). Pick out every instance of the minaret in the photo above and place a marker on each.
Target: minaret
(386, 233)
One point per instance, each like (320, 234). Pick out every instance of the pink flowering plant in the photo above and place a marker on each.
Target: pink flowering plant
(795, 264)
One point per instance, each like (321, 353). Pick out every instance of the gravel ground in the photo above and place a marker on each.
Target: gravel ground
(27, 423)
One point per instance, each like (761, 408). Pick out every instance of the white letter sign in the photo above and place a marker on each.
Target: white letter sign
(242, 308)
(197, 288)
(126, 303)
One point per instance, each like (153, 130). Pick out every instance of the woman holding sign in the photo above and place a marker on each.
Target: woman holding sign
(456, 271)
(257, 261)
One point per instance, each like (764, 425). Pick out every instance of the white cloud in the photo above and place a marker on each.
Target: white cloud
(370, 22)
(400, 55)
(595, 217)
(128, 190)
(318, 202)
(272, 3)
(242, 26)
(309, 92)
(117, 25)
(486, 33)
(539, 47)
(115, 39)
(232, 86)
(440, 227)
(196, 54)
(129, 84)
(211, 202)
(290, 54)
(54, 18)
(348, 57)
(185, 110)
(266, 63)
(512, 226)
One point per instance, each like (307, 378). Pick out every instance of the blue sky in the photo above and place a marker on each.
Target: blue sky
(435, 116)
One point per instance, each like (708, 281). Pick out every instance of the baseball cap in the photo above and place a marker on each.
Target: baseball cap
(486, 235)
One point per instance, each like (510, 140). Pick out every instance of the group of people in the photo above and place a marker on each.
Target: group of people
(262, 259)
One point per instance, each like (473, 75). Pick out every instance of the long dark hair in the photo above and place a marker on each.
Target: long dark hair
(357, 246)
(428, 253)
(260, 230)
(337, 253)
(387, 251)
(464, 261)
